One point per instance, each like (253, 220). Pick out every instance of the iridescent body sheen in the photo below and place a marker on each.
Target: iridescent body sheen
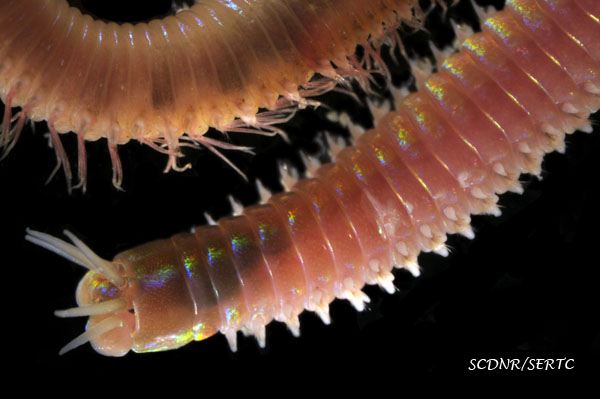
(445, 153)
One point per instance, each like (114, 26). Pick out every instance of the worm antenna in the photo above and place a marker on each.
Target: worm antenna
(105, 267)
(96, 309)
(59, 247)
(92, 332)
(79, 253)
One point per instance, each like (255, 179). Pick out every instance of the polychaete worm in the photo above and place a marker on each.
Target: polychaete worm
(400, 188)
(235, 66)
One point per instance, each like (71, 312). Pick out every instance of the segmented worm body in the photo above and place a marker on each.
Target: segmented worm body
(489, 114)
(212, 65)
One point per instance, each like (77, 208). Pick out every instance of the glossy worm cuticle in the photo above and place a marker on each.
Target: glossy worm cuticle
(490, 114)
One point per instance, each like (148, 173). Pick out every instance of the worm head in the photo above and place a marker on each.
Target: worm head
(104, 294)
(114, 305)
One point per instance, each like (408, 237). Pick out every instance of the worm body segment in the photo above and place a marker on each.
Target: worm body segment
(444, 154)
(202, 67)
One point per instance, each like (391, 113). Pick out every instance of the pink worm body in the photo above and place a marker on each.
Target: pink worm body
(397, 192)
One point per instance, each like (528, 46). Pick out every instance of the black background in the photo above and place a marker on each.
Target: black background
(527, 286)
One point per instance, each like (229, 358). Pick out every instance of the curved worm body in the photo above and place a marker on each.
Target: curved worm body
(202, 67)
(489, 114)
